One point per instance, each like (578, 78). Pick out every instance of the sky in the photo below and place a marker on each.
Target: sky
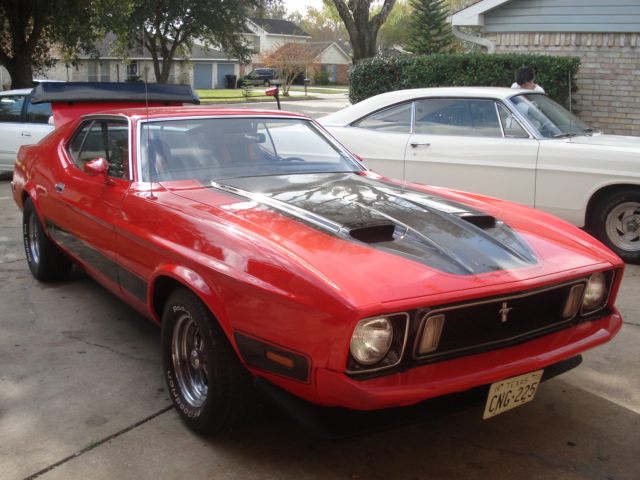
(301, 5)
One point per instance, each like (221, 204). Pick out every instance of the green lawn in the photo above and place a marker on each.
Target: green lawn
(258, 93)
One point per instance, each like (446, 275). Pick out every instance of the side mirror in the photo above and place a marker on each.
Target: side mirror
(99, 166)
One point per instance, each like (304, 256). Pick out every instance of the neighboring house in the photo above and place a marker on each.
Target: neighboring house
(335, 58)
(605, 35)
(267, 33)
(332, 58)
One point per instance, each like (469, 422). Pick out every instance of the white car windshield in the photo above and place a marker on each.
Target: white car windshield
(549, 118)
(209, 149)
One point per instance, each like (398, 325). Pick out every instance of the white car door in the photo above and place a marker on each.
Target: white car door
(473, 145)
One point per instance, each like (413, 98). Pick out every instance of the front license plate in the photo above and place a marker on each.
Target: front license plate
(511, 393)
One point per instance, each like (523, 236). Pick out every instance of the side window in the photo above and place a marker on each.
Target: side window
(11, 108)
(395, 119)
(510, 125)
(102, 138)
(40, 113)
(461, 117)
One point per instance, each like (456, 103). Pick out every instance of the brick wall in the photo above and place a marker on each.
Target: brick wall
(609, 76)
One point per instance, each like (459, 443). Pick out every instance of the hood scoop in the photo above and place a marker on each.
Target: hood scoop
(376, 233)
(481, 221)
(443, 234)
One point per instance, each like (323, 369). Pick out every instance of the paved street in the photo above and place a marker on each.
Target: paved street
(82, 397)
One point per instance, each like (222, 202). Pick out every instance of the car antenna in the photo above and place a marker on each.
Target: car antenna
(146, 105)
(570, 110)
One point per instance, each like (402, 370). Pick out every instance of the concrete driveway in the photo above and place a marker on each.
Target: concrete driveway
(82, 397)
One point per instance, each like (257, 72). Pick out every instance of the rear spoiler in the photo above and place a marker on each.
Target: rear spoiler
(69, 100)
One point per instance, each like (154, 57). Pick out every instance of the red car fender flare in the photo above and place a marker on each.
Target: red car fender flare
(194, 282)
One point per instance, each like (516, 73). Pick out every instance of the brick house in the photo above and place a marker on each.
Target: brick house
(605, 35)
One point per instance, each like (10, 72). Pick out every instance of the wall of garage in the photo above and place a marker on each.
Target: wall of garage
(609, 75)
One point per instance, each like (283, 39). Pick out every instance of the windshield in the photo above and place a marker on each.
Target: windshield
(548, 118)
(211, 149)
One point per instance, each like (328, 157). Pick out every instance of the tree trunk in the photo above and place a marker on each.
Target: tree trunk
(363, 31)
(21, 72)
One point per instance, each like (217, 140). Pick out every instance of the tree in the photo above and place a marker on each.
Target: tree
(168, 28)
(393, 32)
(428, 30)
(294, 59)
(362, 27)
(32, 30)
(324, 25)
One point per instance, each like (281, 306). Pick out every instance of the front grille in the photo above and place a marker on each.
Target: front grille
(493, 323)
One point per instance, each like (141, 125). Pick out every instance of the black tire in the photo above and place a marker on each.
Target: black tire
(46, 262)
(211, 389)
(267, 83)
(616, 223)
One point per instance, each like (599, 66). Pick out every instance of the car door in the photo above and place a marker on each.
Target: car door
(474, 145)
(380, 139)
(21, 123)
(83, 210)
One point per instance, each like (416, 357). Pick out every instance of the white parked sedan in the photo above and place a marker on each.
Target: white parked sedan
(21, 123)
(507, 143)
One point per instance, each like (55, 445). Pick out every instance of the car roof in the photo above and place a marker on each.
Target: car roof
(176, 113)
(383, 100)
(17, 91)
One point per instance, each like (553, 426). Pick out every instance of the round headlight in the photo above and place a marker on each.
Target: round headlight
(595, 291)
(371, 340)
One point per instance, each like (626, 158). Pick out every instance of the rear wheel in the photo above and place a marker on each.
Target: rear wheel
(210, 388)
(617, 224)
(46, 262)
(267, 83)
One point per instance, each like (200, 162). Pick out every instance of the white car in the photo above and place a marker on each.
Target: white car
(21, 123)
(507, 143)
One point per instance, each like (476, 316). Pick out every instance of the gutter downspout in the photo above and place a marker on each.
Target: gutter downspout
(491, 48)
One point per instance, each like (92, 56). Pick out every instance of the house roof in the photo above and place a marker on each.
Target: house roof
(473, 16)
(279, 27)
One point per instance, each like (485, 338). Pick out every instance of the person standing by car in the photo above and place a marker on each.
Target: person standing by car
(526, 78)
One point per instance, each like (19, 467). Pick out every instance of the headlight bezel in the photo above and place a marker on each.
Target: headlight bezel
(595, 281)
(399, 323)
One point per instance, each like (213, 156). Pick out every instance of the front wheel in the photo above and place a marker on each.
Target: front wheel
(46, 262)
(617, 224)
(210, 388)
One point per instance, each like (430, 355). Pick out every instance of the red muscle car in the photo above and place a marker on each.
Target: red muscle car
(272, 258)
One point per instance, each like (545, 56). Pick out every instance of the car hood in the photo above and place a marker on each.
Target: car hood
(440, 233)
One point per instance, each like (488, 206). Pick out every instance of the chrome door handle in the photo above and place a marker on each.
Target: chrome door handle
(26, 134)
(418, 144)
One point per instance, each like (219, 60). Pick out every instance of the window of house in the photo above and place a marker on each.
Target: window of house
(132, 70)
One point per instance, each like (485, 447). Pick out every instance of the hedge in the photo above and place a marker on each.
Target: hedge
(377, 75)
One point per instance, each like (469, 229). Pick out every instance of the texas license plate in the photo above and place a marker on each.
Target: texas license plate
(511, 393)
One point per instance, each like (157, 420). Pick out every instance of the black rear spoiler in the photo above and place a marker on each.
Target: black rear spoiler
(56, 92)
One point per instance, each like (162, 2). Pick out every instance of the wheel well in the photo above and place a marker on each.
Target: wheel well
(597, 197)
(162, 288)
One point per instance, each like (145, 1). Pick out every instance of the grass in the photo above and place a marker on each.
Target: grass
(257, 93)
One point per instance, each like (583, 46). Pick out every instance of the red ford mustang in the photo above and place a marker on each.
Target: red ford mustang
(272, 258)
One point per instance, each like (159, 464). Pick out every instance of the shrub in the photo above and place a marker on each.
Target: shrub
(321, 77)
(383, 74)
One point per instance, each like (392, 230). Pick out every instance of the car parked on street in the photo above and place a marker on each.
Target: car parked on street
(265, 76)
(21, 123)
(513, 144)
(271, 257)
